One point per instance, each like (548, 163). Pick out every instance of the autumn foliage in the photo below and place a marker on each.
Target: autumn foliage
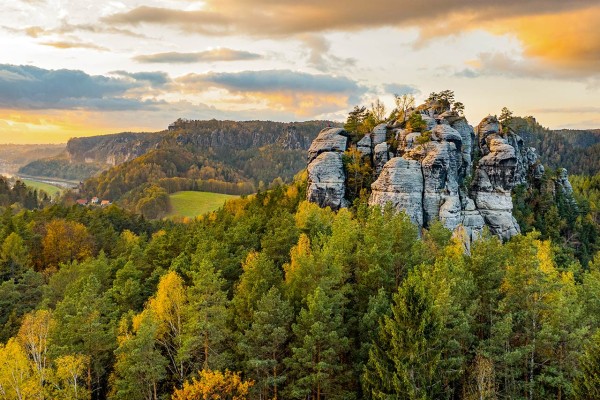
(214, 385)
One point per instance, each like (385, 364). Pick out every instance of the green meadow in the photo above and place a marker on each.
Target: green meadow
(192, 204)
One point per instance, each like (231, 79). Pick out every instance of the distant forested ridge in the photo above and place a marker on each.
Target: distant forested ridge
(14, 156)
(219, 156)
(577, 150)
(274, 297)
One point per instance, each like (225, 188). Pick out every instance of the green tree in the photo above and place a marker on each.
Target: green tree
(405, 361)
(280, 236)
(506, 117)
(316, 363)
(359, 173)
(355, 122)
(264, 344)
(388, 250)
(260, 274)
(14, 257)
(139, 366)
(416, 123)
(587, 384)
(205, 343)
(16, 299)
(84, 325)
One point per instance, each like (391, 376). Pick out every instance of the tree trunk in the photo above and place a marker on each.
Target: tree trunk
(206, 351)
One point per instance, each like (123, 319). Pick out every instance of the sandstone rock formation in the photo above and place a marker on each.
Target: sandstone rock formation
(450, 172)
(326, 177)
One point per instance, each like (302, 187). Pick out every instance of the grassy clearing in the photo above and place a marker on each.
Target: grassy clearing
(46, 187)
(192, 204)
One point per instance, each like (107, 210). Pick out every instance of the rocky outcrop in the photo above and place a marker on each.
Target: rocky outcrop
(326, 176)
(401, 184)
(448, 171)
(326, 180)
(329, 139)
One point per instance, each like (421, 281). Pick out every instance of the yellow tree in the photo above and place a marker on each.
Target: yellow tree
(66, 241)
(302, 273)
(168, 306)
(33, 337)
(18, 379)
(214, 385)
(69, 377)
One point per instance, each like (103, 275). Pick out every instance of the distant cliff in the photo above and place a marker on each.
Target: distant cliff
(111, 149)
(257, 150)
(434, 166)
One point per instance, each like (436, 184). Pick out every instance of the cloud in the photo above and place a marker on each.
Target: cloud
(73, 45)
(562, 33)
(274, 81)
(501, 64)
(67, 28)
(567, 41)
(155, 79)
(29, 87)
(212, 23)
(400, 89)
(214, 55)
(320, 57)
(284, 90)
(286, 17)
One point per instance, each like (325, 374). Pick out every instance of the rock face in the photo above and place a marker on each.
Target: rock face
(401, 184)
(450, 172)
(326, 176)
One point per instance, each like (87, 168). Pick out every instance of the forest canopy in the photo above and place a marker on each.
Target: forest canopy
(274, 297)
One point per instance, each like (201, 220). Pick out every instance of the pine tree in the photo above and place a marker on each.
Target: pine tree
(264, 344)
(405, 361)
(205, 341)
(139, 366)
(316, 364)
(84, 326)
(587, 384)
(260, 274)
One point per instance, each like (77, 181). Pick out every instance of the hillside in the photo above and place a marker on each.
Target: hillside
(87, 156)
(576, 150)
(14, 156)
(217, 156)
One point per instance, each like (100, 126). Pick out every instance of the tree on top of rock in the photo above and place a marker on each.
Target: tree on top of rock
(441, 101)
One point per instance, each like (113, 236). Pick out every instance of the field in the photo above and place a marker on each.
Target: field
(192, 204)
(50, 189)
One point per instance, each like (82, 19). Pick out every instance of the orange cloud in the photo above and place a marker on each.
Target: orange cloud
(568, 40)
(563, 33)
(73, 45)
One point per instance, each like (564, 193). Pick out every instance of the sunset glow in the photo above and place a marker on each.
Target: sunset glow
(72, 68)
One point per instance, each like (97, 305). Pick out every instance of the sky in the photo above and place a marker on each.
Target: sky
(78, 67)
